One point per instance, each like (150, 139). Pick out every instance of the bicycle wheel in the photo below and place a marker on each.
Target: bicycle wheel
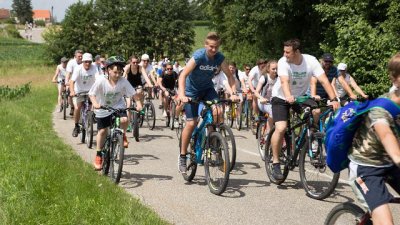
(182, 123)
(232, 115)
(191, 164)
(150, 115)
(172, 112)
(262, 138)
(227, 134)
(116, 158)
(89, 129)
(318, 180)
(135, 125)
(105, 155)
(167, 120)
(238, 120)
(216, 164)
(65, 105)
(347, 213)
(283, 158)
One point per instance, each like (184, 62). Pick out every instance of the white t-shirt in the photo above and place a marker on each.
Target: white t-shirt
(339, 88)
(245, 78)
(61, 73)
(266, 91)
(84, 79)
(72, 63)
(219, 81)
(299, 75)
(107, 95)
(148, 69)
(254, 76)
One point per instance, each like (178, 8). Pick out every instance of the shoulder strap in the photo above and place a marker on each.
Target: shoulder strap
(385, 103)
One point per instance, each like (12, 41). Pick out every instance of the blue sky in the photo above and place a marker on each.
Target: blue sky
(59, 6)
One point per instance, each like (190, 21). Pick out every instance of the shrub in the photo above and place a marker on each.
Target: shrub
(40, 23)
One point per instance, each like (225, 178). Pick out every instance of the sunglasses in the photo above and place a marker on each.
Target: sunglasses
(169, 68)
(87, 61)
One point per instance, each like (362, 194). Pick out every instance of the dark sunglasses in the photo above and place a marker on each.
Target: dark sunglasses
(169, 69)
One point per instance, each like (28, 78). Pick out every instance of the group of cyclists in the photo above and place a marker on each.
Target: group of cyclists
(271, 85)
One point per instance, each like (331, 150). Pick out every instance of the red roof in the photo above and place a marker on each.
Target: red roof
(41, 14)
(4, 13)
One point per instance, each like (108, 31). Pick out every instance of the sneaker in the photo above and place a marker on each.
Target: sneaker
(71, 113)
(164, 113)
(276, 171)
(126, 143)
(129, 129)
(160, 106)
(97, 162)
(75, 132)
(182, 164)
(61, 108)
(176, 123)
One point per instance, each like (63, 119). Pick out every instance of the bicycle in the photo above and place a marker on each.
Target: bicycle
(149, 113)
(86, 120)
(208, 146)
(64, 98)
(169, 120)
(262, 134)
(297, 150)
(135, 121)
(350, 213)
(113, 150)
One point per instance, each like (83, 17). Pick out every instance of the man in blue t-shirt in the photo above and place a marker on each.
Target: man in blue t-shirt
(195, 82)
(331, 72)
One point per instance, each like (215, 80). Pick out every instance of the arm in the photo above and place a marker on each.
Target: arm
(93, 99)
(244, 89)
(389, 141)
(333, 84)
(54, 80)
(286, 89)
(313, 88)
(250, 82)
(160, 84)
(329, 90)
(182, 78)
(126, 69)
(72, 87)
(144, 74)
(230, 77)
(346, 87)
(357, 88)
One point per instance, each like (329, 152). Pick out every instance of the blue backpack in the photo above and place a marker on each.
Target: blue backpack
(341, 129)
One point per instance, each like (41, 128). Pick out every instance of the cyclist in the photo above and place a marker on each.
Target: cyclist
(72, 63)
(294, 74)
(317, 91)
(342, 85)
(195, 82)
(59, 78)
(148, 67)
(254, 75)
(98, 62)
(374, 154)
(264, 89)
(110, 92)
(244, 77)
(167, 80)
(81, 81)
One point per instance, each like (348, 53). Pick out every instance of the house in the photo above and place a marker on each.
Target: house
(39, 14)
(4, 13)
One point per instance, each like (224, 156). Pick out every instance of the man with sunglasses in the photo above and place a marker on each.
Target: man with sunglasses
(168, 80)
(82, 79)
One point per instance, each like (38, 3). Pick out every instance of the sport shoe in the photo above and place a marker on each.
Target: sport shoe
(97, 162)
(164, 113)
(182, 164)
(129, 129)
(71, 113)
(276, 171)
(126, 143)
(75, 132)
(160, 106)
(61, 108)
(176, 123)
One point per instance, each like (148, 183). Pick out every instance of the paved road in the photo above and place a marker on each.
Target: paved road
(150, 173)
(36, 34)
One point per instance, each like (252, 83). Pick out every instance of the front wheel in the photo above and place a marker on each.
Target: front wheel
(347, 213)
(150, 115)
(191, 164)
(227, 134)
(262, 138)
(172, 113)
(216, 163)
(116, 158)
(89, 129)
(135, 125)
(318, 180)
(65, 105)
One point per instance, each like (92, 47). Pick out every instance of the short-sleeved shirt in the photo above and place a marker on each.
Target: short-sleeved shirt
(200, 78)
(219, 81)
(245, 78)
(72, 63)
(299, 75)
(254, 76)
(266, 91)
(332, 73)
(61, 72)
(84, 79)
(107, 95)
(367, 149)
(339, 88)
(169, 81)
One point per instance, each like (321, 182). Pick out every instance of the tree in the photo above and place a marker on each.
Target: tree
(23, 10)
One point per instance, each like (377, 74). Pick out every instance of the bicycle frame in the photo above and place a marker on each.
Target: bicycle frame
(207, 120)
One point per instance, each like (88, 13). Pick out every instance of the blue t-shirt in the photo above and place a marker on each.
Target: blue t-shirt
(200, 79)
(332, 73)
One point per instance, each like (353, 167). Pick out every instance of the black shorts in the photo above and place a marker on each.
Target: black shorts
(369, 183)
(105, 122)
(280, 108)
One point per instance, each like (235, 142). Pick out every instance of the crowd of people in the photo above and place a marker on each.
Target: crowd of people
(273, 85)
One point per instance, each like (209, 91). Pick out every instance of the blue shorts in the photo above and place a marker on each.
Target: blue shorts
(192, 109)
(368, 183)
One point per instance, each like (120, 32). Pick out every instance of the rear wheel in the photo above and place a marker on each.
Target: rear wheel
(191, 164)
(135, 125)
(89, 129)
(238, 120)
(347, 213)
(116, 158)
(318, 180)
(262, 138)
(283, 158)
(227, 134)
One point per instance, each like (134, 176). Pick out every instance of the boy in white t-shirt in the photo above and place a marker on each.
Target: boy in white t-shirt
(82, 79)
(110, 92)
(59, 78)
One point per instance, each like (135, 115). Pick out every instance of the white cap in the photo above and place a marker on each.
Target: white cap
(145, 57)
(342, 66)
(87, 57)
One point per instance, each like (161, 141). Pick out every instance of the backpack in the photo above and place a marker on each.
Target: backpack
(340, 130)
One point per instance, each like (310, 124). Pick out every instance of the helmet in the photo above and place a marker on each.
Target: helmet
(115, 60)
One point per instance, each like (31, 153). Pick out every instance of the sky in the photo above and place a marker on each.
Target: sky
(59, 6)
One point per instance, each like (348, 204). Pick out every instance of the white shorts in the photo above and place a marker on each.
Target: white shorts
(265, 108)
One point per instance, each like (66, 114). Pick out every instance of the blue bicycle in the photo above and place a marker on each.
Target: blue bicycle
(208, 146)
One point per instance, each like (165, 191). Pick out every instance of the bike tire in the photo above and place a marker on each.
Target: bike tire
(150, 115)
(262, 138)
(216, 158)
(232, 115)
(167, 120)
(283, 158)
(135, 125)
(172, 113)
(191, 164)
(89, 129)
(105, 155)
(347, 213)
(238, 120)
(83, 134)
(318, 180)
(117, 158)
(227, 133)
(65, 106)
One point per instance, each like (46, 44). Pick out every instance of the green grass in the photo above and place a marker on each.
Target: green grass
(43, 180)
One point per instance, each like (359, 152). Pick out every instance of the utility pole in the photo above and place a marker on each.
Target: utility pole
(52, 17)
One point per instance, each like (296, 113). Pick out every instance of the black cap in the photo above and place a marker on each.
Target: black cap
(327, 57)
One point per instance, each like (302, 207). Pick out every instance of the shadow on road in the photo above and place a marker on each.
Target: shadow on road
(239, 167)
(147, 138)
(235, 185)
(133, 159)
(133, 180)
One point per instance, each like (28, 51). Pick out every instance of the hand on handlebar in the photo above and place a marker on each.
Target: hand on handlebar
(290, 99)
(97, 106)
(335, 104)
(184, 98)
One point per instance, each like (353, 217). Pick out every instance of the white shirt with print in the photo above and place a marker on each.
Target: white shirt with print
(219, 81)
(255, 75)
(299, 75)
(107, 95)
(84, 79)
